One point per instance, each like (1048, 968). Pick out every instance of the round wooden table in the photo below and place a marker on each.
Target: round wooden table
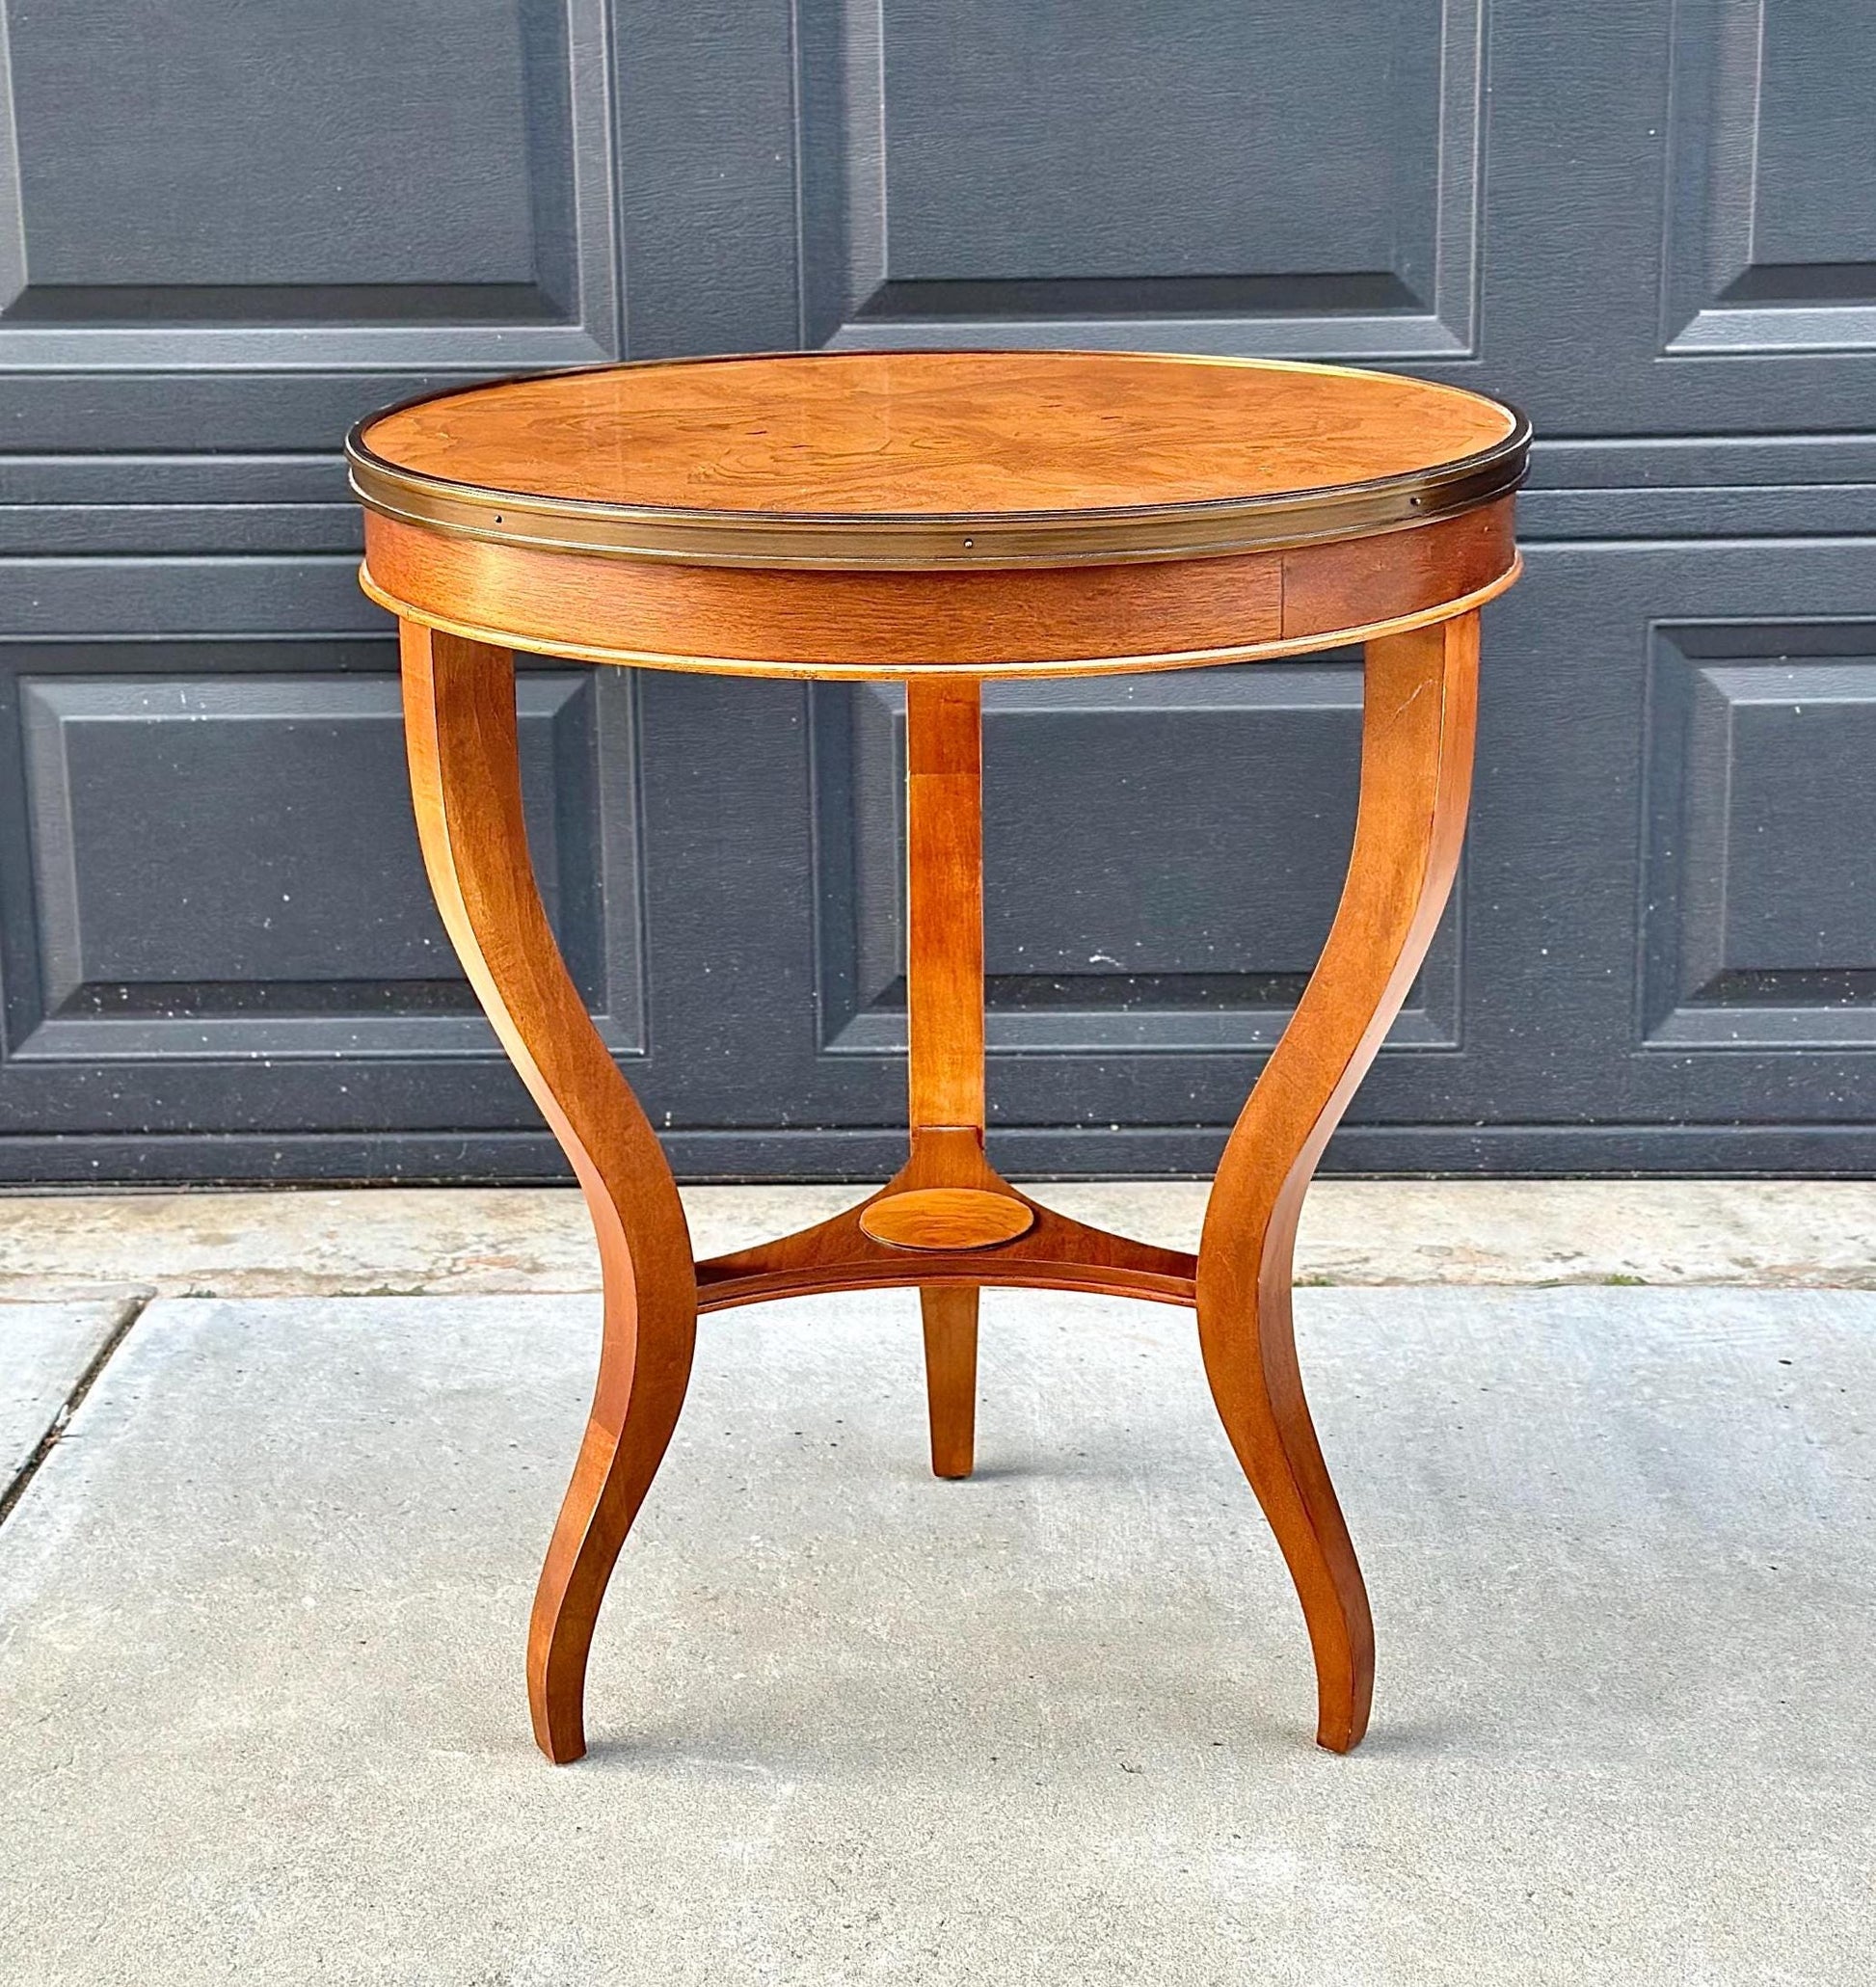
(940, 518)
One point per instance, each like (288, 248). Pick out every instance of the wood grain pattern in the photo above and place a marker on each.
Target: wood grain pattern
(950, 1319)
(944, 901)
(1360, 580)
(946, 1218)
(873, 621)
(459, 709)
(943, 1012)
(936, 433)
(948, 1224)
(1037, 621)
(1056, 1252)
(1416, 754)
(1419, 713)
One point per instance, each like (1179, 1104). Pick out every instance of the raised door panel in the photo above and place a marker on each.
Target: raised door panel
(213, 916)
(1210, 177)
(1669, 935)
(1681, 222)
(1007, 173)
(1759, 925)
(232, 190)
(1772, 194)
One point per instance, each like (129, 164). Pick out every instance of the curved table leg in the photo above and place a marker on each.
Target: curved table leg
(459, 712)
(1416, 762)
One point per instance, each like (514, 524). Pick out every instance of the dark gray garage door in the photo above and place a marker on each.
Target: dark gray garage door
(236, 226)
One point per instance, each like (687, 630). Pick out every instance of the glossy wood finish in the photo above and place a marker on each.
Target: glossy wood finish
(949, 1314)
(1043, 621)
(459, 713)
(1416, 762)
(944, 1218)
(948, 1224)
(1055, 1252)
(944, 901)
(943, 1012)
(858, 435)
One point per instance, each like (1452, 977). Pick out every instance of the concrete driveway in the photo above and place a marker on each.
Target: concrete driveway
(262, 1601)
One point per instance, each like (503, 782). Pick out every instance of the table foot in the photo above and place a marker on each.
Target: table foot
(610, 1479)
(1418, 712)
(1251, 1360)
(951, 1375)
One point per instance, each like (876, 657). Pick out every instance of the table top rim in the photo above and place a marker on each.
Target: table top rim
(926, 539)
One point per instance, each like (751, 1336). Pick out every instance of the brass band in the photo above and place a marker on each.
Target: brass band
(923, 541)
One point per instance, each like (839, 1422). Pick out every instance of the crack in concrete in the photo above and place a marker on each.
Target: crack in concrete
(133, 1307)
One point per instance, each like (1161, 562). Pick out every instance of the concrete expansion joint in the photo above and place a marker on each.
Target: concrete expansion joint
(131, 1308)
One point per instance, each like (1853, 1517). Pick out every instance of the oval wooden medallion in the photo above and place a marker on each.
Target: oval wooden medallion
(946, 1218)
